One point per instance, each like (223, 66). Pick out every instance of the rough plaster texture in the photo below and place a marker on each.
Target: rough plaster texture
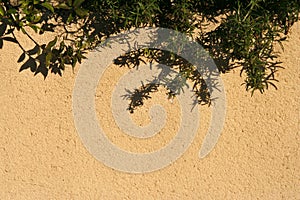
(42, 157)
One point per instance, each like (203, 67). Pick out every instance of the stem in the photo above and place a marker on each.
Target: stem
(253, 3)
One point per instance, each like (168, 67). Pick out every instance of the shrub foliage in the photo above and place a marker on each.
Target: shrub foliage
(245, 34)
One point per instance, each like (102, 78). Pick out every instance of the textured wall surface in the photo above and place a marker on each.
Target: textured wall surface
(42, 156)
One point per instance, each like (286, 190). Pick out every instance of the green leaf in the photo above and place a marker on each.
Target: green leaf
(12, 11)
(61, 46)
(23, 30)
(74, 61)
(64, 6)
(48, 6)
(2, 12)
(81, 12)
(34, 27)
(37, 18)
(77, 3)
(69, 2)
(51, 43)
(48, 59)
(70, 18)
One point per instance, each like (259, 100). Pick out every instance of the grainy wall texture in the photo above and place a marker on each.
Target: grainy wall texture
(42, 156)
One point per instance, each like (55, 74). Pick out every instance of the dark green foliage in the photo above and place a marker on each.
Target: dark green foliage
(246, 33)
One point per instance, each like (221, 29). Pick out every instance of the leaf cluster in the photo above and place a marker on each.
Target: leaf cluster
(245, 34)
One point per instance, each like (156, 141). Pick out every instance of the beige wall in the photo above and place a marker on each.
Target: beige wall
(42, 156)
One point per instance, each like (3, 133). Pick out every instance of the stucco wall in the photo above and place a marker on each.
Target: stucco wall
(42, 156)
